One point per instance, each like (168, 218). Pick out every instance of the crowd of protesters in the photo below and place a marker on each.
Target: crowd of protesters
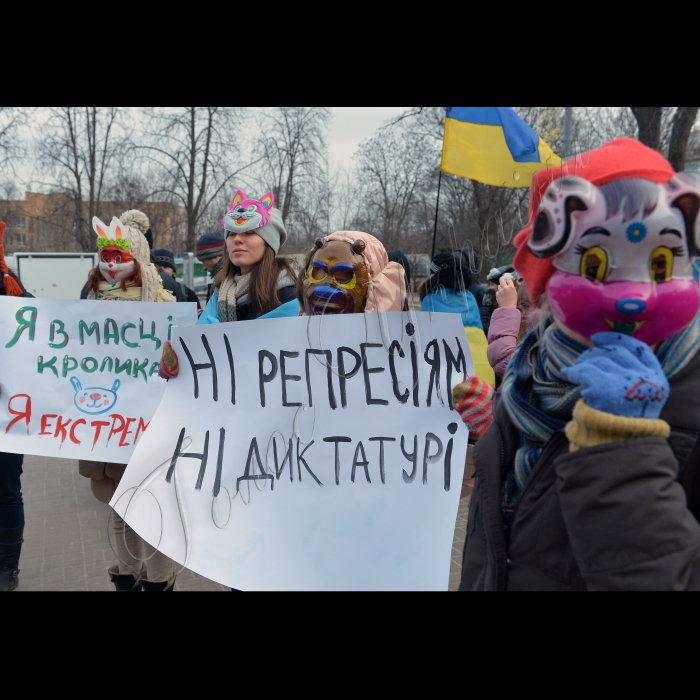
(582, 402)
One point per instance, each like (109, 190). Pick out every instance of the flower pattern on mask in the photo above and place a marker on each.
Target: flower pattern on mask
(115, 261)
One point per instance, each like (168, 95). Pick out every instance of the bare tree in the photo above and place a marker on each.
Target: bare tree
(294, 151)
(193, 151)
(666, 131)
(11, 119)
(683, 121)
(80, 150)
(392, 174)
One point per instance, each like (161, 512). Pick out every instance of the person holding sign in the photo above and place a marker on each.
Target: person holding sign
(252, 282)
(11, 503)
(588, 478)
(349, 272)
(126, 273)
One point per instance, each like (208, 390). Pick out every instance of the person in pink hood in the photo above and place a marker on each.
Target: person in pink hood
(349, 272)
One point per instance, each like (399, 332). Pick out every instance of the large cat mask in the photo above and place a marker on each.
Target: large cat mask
(622, 254)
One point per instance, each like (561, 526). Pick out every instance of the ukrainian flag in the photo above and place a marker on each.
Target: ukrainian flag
(493, 145)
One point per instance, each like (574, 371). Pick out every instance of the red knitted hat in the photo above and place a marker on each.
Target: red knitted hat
(617, 159)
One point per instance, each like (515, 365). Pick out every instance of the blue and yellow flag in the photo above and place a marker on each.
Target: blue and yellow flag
(493, 145)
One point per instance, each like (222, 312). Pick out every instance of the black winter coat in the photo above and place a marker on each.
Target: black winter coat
(617, 516)
(246, 312)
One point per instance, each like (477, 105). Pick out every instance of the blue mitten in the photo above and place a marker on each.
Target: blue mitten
(620, 375)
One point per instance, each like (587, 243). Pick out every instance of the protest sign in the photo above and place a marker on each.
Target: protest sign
(79, 379)
(315, 453)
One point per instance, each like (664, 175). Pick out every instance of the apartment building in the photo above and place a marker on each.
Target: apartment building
(48, 222)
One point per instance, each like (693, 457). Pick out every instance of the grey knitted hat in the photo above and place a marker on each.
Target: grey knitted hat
(273, 232)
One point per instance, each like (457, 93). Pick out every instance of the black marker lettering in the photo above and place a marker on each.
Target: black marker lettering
(451, 362)
(203, 466)
(329, 373)
(364, 463)
(396, 346)
(343, 375)
(381, 441)
(288, 456)
(196, 367)
(265, 378)
(434, 363)
(284, 355)
(366, 371)
(230, 365)
(337, 439)
(192, 455)
(411, 457)
(219, 463)
(427, 457)
(452, 427)
(414, 366)
(247, 476)
(300, 459)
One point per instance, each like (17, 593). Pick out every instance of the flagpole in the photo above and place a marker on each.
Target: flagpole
(437, 204)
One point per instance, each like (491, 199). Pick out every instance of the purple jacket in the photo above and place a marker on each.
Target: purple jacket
(503, 336)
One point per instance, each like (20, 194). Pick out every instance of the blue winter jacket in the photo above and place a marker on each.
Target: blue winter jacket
(447, 301)
(211, 312)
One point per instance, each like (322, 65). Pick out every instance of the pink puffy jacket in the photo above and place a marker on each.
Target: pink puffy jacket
(503, 337)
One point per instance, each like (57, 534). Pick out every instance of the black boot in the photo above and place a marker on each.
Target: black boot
(125, 582)
(163, 586)
(10, 548)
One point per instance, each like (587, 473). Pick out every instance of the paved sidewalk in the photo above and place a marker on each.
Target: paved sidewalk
(65, 539)
(66, 547)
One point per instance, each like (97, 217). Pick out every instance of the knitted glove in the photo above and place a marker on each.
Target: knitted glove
(169, 365)
(620, 375)
(474, 401)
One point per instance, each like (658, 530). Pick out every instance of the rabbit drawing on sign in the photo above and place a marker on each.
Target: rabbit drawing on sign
(94, 399)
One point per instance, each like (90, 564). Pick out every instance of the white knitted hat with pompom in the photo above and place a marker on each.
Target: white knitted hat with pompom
(135, 225)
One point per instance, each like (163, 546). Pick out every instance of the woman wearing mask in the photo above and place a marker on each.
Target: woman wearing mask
(588, 477)
(252, 281)
(125, 273)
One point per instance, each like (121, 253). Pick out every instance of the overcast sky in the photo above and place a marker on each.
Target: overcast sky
(352, 125)
(348, 128)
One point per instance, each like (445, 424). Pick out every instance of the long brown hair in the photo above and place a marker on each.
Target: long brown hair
(95, 277)
(264, 277)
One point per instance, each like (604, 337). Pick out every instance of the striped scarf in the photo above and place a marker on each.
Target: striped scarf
(539, 399)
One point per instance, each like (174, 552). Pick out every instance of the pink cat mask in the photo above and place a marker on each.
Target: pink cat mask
(247, 214)
(622, 253)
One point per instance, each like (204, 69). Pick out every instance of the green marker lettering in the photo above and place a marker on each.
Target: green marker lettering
(24, 324)
(57, 327)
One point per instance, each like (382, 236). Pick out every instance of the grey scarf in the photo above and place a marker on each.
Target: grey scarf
(234, 291)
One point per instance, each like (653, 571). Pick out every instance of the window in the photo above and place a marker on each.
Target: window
(21, 222)
(21, 240)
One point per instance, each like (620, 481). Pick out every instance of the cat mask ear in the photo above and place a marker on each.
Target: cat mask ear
(268, 200)
(683, 192)
(237, 198)
(563, 199)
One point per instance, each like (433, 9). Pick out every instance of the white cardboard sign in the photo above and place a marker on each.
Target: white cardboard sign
(79, 379)
(307, 453)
